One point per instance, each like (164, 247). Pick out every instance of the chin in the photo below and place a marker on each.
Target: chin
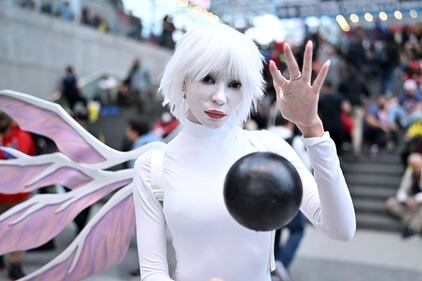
(214, 125)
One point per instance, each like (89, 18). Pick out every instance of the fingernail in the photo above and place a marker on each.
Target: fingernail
(328, 62)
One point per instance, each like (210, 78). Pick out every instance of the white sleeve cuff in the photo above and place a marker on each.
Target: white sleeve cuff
(316, 140)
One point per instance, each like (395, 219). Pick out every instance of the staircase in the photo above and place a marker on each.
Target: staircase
(371, 181)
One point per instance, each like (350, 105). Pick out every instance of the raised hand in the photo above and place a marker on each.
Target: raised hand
(297, 98)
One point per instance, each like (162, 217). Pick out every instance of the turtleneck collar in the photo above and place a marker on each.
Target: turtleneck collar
(204, 132)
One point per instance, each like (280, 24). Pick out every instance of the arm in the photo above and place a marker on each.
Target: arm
(372, 121)
(326, 199)
(333, 211)
(150, 225)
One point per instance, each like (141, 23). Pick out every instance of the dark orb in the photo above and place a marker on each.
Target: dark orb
(263, 191)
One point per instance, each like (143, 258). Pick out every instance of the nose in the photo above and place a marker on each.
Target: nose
(219, 97)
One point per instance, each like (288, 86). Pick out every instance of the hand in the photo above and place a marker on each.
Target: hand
(297, 98)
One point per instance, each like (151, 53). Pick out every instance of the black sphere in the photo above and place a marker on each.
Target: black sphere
(263, 191)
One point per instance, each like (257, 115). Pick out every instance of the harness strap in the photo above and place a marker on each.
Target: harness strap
(157, 166)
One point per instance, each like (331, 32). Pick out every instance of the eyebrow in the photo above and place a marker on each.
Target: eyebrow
(219, 75)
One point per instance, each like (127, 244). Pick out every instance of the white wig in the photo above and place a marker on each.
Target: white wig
(213, 49)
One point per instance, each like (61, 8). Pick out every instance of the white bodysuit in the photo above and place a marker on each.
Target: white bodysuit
(208, 242)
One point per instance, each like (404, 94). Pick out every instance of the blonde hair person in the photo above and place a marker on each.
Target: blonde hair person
(211, 83)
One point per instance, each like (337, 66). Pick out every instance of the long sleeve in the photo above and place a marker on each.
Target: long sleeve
(333, 211)
(326, 200)
(300, 149)
(150, 225)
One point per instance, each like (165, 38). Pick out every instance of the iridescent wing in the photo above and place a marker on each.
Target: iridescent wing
(106, 237)
(101, 244)
(42, 217)
(51, 120)
(26, 173)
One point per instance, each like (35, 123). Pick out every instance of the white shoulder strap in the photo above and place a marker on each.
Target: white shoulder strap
(157, 165)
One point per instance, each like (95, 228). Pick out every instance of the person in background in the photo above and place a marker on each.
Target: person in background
(407, 204)
(354, 89)
(140, 84)
(106, 89)
(376, 126)
(70, 89)
(166, 38)
(388, 60)
(166, 125)
(12, 136)
(330, 108)
(410, 98)
(64, 12)
(138, 132)
(123, 95)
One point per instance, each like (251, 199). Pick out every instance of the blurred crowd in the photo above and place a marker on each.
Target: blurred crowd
(372, 94)
(371, 101)
(125, 23)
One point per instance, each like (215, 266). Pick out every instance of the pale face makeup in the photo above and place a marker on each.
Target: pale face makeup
(213, 101)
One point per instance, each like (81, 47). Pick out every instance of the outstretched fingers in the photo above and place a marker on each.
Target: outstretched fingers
(292, 66)
(307, 62)
(321, 77)
(278, 78)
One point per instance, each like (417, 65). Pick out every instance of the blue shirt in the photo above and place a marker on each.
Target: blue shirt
(142, 140)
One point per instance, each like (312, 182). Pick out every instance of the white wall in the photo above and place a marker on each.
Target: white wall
(35, 49)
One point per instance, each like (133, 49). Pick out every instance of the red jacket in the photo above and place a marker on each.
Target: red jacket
(22, 141)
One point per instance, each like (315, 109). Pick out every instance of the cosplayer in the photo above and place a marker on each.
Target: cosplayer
(210, 84)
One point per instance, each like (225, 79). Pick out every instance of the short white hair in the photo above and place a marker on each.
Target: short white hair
(213, 49)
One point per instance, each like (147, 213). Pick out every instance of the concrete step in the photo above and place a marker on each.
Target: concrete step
(370, 206)
(384, 180)
(371, 168)
(378, 222)
(368, 192)
(368, 186)
(382, 158)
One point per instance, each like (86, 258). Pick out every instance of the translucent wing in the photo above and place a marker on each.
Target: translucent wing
(42, 217)
(102, 244)
(49, 119)
(106, 237)
(26, 173)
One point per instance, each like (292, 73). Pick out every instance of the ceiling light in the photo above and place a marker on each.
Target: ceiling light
(368, 17)
(354, 18)
(383, 16)
(398, 15)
